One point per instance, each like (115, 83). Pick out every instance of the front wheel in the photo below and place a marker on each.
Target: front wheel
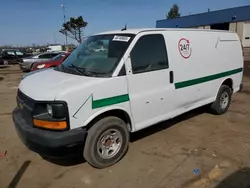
(223, 100)
(107, 142)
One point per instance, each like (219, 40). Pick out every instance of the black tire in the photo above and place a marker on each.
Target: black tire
(217, 107)
(92, 153)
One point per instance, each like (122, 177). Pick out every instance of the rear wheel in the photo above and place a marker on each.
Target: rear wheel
(223, 100)
(5, 62)
(107, 142)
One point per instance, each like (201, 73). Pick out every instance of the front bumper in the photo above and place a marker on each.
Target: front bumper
(49, 143)
(24, 67)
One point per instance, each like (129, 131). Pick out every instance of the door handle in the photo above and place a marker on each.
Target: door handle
(171, 77)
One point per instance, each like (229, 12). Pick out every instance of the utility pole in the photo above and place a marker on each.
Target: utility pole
(55, 42)
(64, 18)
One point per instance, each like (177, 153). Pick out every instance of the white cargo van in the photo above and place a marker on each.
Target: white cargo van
(95, 99)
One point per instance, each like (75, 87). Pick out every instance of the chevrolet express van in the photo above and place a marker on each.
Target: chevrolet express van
(141, 77)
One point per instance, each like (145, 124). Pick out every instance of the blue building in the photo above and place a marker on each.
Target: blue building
(233, 19)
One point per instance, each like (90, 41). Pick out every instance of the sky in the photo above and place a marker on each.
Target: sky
(26, 22)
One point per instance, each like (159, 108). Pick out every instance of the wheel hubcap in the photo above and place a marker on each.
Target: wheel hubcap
(224, 100)
(109, 143)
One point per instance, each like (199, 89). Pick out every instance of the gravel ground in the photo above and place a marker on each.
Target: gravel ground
(196, 149)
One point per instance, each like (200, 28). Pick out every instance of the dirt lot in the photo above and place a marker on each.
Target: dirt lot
(166, 155)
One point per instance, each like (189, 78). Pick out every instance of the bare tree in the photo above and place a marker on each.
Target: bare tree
(74, 28)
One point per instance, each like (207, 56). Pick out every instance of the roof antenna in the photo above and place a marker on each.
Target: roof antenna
(125, 28)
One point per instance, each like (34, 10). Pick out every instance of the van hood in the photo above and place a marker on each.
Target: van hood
(47, 84)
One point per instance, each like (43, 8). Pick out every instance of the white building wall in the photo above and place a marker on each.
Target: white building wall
(246, 35)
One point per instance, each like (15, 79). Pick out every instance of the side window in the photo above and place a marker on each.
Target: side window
(53, 55)
(11, 53)
(44, 56)
(19, 53)
(149, 54)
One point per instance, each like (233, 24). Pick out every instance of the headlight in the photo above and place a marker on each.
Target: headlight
(49, 110)
(51, 115)
(41, 66)
(57, 111)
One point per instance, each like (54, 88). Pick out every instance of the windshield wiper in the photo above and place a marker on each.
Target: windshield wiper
(84, 72)
(78, 69)
(59, 67)
(95, 73)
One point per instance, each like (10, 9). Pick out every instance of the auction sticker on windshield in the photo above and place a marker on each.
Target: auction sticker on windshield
(185, 48)
(121, 38)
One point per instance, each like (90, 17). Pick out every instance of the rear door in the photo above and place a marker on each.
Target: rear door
(10, 55)
(150, 84)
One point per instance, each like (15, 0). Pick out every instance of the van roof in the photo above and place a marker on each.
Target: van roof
(139, 30)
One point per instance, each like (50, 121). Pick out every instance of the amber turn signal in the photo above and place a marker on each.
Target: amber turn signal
(60, 125)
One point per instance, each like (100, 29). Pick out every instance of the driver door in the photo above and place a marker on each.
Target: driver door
(151, 88)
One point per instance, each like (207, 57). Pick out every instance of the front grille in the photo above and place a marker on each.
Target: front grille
(26, 106)
(28, 101)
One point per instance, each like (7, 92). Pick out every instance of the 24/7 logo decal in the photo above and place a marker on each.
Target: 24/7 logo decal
(185, 48)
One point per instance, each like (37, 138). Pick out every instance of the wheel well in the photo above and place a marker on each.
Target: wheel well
(31, 67)
(228, 82)
(117, 113)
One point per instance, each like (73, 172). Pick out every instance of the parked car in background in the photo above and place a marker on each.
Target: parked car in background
(12, 56)
(1, 60)
(54, 48)
(26, 63)
(57, 60)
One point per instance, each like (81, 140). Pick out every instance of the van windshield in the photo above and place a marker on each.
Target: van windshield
(98, 55)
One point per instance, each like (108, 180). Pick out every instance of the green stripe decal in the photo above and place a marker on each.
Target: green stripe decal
(109, 101)
(187, 83)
